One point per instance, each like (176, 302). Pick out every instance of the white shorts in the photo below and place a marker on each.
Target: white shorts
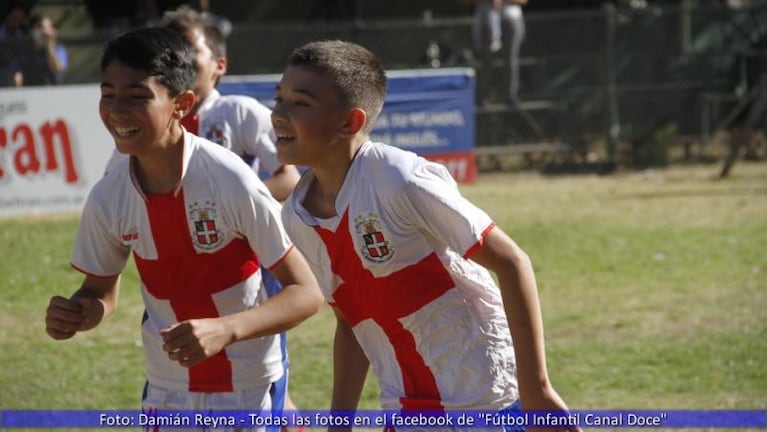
(160, 399)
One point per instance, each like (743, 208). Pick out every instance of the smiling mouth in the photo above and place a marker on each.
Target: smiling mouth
(285, 138)
(125, 131)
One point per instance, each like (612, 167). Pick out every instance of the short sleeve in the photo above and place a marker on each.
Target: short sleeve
(432, 202)
(97, 250)
(258, 218)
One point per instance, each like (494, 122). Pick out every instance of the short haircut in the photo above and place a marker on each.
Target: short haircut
(359, 76)
(185, 19)
(163, 53)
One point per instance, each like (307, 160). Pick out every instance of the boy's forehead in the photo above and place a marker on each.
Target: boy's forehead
(312, 82)
(306, 76)
(117, 67)
(119, 72)
(300, 70)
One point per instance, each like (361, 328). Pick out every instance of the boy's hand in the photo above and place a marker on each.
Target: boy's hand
(547, 400)
(192, 341)
(65, 317)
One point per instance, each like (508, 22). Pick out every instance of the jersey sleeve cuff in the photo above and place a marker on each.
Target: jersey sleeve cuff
(479, 242)
(87, 273)
(282, 258)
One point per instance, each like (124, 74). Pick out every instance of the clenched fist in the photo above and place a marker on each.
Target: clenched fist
(65, 317)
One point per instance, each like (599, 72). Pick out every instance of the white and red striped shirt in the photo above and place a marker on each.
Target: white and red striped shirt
(394, 262)
(197, 250)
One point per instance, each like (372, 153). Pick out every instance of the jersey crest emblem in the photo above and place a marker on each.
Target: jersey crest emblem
(215, 132)
(206, 234)
(376, 247)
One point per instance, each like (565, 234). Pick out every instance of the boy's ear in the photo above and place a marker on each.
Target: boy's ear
(221, 66)
(355, 121)
(184, 104)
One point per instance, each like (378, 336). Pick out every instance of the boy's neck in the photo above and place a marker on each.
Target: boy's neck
(329, 179)
(160, 171)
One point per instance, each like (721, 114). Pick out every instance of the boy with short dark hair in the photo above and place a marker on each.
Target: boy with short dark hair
(199, 223)
(401, 255)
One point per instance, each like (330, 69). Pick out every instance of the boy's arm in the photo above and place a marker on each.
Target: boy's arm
(92, 303)
(299, 299)
(192, 341)
(516, 279)
(350, 368)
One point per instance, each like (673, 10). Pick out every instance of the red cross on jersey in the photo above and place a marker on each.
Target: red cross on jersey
(394, 262)
(197, 250)
(385, 300)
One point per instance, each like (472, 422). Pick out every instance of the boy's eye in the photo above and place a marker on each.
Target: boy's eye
(133, 96)
(296, 102)
(299, 102)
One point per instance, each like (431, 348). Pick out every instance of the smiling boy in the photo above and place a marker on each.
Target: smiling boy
(199, 223)
(401, 256)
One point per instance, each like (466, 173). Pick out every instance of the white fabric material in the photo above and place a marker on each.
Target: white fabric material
(416, 210)
(116, 221)
(211, 406)
(241, 124)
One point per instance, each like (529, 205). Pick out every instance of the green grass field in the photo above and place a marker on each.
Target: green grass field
(653, 287)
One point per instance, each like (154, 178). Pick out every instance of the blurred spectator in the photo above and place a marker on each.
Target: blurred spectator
(14, 41)
(490, 17)
(486, 33)
(511, 13)
(48, 59)
(747, 136)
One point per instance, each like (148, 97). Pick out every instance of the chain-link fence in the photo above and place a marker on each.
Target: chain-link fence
(623, 80)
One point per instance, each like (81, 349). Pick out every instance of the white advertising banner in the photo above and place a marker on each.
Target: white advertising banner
(53, 148)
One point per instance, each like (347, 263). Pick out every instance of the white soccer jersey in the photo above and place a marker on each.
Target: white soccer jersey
(197, 250)
(430, 321)
(239, 123)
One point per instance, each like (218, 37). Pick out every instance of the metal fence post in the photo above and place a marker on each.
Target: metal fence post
(612, 118)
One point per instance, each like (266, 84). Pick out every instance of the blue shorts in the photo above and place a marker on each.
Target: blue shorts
(513, 408)
(277, 393)
(273, 286)
(279, 388)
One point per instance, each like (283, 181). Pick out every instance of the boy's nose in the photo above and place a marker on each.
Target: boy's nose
(277, 116)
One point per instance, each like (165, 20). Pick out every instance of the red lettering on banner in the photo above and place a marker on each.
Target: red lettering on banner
(27, 151)
(25, 160)
(461, 165)
(49, 132)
